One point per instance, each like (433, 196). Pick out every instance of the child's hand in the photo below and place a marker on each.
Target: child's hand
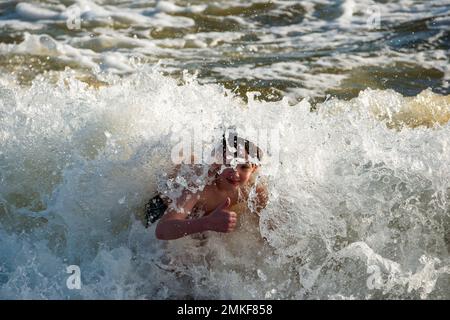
(221, 219)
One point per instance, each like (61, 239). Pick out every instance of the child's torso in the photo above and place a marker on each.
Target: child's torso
(210, 199)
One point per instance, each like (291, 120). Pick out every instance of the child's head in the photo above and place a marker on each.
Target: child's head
(237, 150)
(240, 159)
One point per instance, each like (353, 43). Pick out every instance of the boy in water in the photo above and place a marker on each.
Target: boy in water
(231, 185)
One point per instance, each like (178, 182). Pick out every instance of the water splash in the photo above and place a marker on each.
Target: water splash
(361, 191)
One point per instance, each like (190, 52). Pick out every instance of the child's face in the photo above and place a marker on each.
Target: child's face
(238, 176)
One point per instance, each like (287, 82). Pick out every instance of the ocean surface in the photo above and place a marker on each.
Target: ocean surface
(94, 95)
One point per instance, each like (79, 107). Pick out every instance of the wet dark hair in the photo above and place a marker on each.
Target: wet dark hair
(252, 150)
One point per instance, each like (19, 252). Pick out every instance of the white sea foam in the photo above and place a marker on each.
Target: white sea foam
(321, 40)
(29, 11)
(361, 188)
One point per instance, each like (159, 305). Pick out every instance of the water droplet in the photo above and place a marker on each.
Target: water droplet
(261, 275)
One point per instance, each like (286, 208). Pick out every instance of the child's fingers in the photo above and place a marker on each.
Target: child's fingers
(232, 220)
(232, 214)
(232, 225)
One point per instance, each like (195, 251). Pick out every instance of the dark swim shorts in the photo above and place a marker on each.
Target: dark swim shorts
(154, 209)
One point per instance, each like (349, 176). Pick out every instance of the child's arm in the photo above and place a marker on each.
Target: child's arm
(174, 225)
